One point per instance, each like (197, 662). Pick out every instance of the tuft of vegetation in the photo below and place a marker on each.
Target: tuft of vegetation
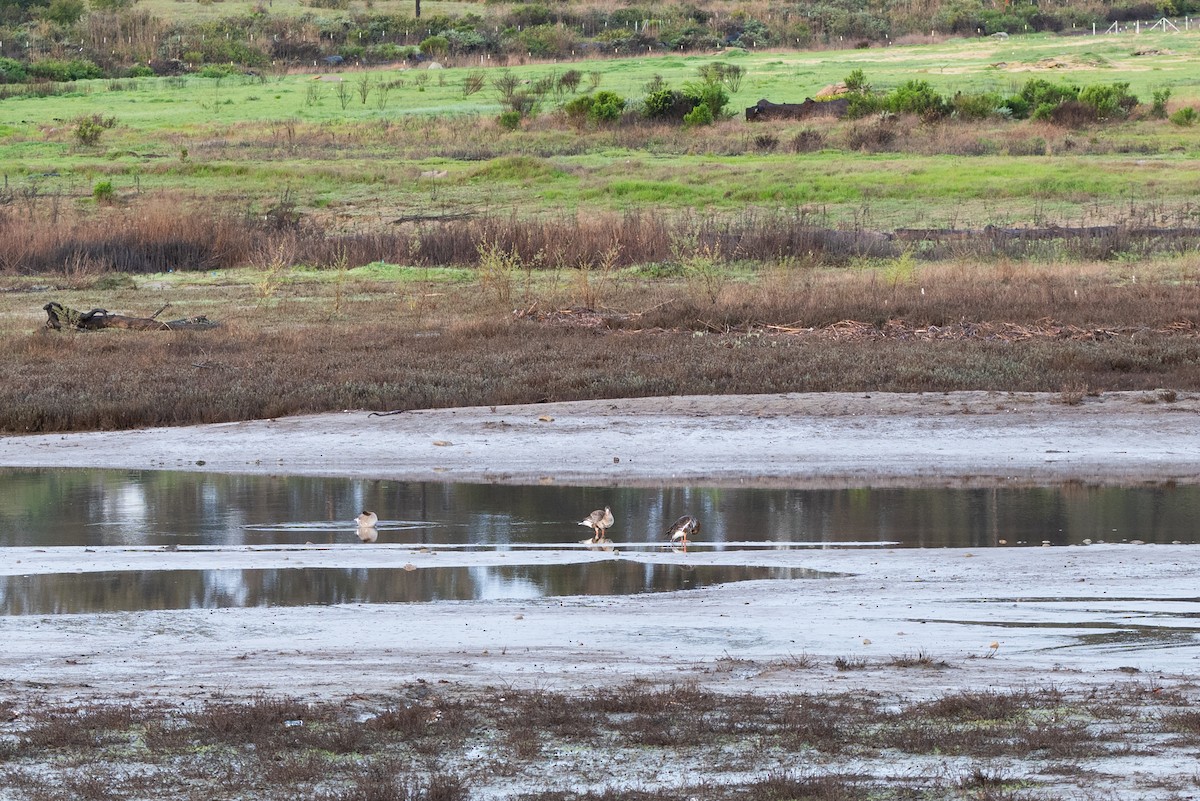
(600, 108)
(88, 129)
(1185, 117)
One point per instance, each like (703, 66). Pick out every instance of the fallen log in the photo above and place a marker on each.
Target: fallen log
(59, 317)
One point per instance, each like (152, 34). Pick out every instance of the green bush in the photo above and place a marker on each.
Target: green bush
(103, 192)
(1158, 108)
(76, 69)
(510, 120)
(1109, 100)
(140, 71)
(607, 107)
(864, 105)
(708, 93)
(1185, 117)
(667, 104)
(1044, 112)
(63, 12)
(700, 115)
(976, 106)
(602, 107)
(89, 128)
(1040, 92)
(387, 52)
(217, 71)
(435, 46)
(12, 71)
(1018, 107)
(916, 97)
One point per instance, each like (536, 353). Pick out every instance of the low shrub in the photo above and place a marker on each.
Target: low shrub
(708, 93)
(599, 108)
(871, 137)
(863, 104)
(916, 97)
(103, 193)
(12, 71)
(667, 104)
(976, 106)
(435, 46)
(76, 69)
(1109, 100)
(808, 141)
(1185, 117)
(89, 128)
(1072, 114)
(700, 115)
(509, 120)
(1018, 108)
(1040, 92)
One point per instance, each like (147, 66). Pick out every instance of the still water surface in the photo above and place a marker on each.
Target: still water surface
(111, 507)
(79, 507)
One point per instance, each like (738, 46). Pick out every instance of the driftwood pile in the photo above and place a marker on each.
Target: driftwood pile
(59, 317)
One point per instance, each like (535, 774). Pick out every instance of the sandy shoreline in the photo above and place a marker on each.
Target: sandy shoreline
(795, 440)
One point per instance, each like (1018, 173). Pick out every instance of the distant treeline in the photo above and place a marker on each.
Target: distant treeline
(111, 38)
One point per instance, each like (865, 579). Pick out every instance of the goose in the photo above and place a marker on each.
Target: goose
(598, 521)
(683, 528)
(366, 519)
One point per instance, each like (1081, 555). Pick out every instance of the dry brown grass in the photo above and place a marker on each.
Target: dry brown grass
(309, 346)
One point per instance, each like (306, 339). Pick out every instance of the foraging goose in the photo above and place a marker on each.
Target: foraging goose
(598, 521)
(683, 528)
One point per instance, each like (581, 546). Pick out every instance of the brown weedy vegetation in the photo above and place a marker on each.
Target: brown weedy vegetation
(324, 340)
(452, 743)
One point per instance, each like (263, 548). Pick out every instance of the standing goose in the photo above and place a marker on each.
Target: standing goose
(682, 529)
(598, 521)
(366, 526)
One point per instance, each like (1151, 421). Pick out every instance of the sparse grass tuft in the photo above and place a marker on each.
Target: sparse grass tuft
(920, 659)
(844, 663)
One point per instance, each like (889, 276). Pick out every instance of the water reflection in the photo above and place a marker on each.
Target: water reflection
(58, 593)
(111, 507)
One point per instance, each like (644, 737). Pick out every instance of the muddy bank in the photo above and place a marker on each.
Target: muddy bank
(795, 440)
(991, 618)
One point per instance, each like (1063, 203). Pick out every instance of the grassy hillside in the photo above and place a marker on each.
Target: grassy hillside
(354, 148)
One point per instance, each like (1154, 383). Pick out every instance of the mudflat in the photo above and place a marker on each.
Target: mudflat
(793, 440)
